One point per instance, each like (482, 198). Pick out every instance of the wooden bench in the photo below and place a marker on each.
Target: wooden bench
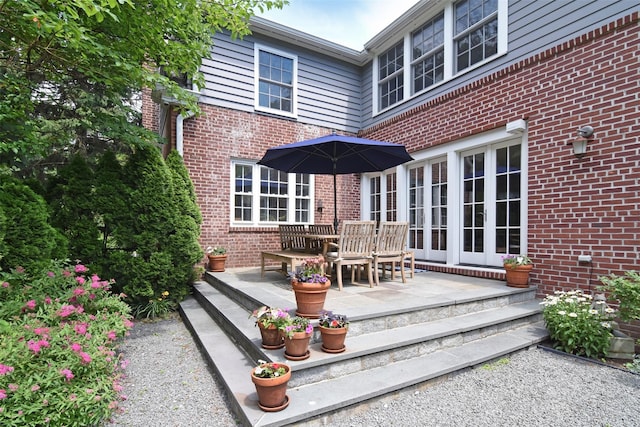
(292, 250)
(289, 260)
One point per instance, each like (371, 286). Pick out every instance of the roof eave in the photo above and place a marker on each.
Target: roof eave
(281, 32)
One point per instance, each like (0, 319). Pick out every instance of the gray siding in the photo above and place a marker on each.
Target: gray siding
(338, 94)
(534, 26)
(328, 89)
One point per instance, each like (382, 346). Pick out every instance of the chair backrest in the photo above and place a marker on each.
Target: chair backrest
(357, 239)
(391, 238)
(291, 237)
(321, 229)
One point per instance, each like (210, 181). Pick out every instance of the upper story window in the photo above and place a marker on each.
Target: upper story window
(276, 80)
(427, 46)
(476, 31)
(263, 196)
(391, 76)
(461, 36)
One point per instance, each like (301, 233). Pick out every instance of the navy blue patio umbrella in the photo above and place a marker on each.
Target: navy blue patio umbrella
(333, 155)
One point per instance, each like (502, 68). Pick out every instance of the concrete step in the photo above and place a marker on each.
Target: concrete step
(310, 399)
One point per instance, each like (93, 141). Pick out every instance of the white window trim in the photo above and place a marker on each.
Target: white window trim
(256, 72)
(452, 152)
(255, 204)
(503, 34)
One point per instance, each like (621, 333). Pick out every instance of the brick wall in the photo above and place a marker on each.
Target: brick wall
(219, 135)
(588, 206)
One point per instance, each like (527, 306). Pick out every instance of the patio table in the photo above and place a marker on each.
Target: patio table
(324, 238)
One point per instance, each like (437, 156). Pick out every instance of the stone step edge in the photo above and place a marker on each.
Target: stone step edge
(232, 366)
(233, 318)
(204, 292)
(252, 296)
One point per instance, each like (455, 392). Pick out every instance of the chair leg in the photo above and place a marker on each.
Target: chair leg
(369, 268)
(339, 275)
(375, 271)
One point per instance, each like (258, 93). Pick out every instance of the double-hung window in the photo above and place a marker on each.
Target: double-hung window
(391, 76)
(457, 38)
(476, 31)
(265, 196)
(427, 44)
(276, 80)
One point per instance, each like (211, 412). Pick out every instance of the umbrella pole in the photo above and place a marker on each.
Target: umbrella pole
(335, 205)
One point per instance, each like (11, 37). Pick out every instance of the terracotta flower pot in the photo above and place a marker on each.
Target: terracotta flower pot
(518, 276)
(310, 297)
(297, 347)
(271, 337)
(272, 392)
(216, 262)
(333, 339)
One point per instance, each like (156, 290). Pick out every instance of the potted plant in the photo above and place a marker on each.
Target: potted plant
(297, 333)
(310, 285)
(270, 321)
(270, 380)
(517, 269)
(333, 330)
(217, 257)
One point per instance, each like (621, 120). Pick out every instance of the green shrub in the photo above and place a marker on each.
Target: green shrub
(576, 325)
(155, 237)
(58, 364)
(29, 239)
(71, 201)
(625, 290)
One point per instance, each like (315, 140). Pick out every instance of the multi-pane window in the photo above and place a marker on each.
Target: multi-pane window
(427, 45)
(416, 207)
(263, 195)
(276, 76)
(392, 197)
(508, 190)
(375, 199)
(439, 206)
(476, 31)
(461, 34)
(390, 76)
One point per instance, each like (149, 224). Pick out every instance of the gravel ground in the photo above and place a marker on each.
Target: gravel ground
(168, 384)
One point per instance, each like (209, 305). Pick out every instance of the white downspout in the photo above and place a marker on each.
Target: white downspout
(179, 131)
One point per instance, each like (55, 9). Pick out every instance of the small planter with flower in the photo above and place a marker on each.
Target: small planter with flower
(271, 380)
(517, 269)
(270, 321)
(333, 330)
(297, 333)
(310, 285)
(217, 258)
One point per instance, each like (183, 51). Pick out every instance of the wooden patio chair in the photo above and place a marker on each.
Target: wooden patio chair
(390, 248)
(317, 245)
(291, 237)
(354, 248)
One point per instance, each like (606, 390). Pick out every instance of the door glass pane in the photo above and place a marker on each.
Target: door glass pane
(508, 206)
(473, 203)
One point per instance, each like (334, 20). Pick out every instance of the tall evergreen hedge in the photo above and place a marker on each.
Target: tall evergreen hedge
(29, 240)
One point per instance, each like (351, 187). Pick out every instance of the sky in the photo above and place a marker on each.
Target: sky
(350, 23)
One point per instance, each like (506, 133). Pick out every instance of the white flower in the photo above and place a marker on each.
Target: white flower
(573, 315)
(562, 312)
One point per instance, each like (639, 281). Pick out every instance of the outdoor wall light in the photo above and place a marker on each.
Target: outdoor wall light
(319, 206)
(580, 143)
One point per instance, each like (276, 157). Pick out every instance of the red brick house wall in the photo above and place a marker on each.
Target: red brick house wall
(217, 136)
(576, 206)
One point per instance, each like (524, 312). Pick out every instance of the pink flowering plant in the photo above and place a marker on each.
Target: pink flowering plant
(58, 359)
(270, 316)
(296, 324)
